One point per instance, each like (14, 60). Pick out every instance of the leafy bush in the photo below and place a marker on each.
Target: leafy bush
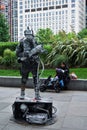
(9, 58)
(75, 50)
(5, 45)
(1, 59)
(57, 60)
(48, 48)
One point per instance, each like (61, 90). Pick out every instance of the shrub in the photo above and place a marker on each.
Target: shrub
(5, 45)
(58, 59)
(1, 59)
(48, 48)
(9, 58)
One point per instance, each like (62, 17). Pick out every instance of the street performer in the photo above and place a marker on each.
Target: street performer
(28, 52)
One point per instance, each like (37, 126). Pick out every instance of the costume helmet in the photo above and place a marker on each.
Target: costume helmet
(28, 32)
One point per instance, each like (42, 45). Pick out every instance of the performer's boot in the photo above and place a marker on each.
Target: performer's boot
(36, 86)
(22, 94)
(37, 94)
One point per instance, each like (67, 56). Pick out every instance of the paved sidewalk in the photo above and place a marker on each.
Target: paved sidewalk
(71, 110)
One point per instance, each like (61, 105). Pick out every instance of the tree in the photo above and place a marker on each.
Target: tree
(83, 33)
(4, 29)
(45, 35)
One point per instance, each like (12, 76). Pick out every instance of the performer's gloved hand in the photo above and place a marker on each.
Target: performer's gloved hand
(38, 48)
(26, 54)
(35, 50)
(44, 51)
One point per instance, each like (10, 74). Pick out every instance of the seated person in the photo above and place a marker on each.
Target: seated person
(63, 74)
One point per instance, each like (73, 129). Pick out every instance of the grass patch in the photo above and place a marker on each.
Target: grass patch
(8, 72)
(80, 72)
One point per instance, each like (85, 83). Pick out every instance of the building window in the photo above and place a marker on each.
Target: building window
(73, 11)
(21, 3)
(62, 1)
(66, 1)
(21, 17)
(64, 6)
(21, 7)
(72, 1)
(21, 11)
(21, 25)
(73, 5)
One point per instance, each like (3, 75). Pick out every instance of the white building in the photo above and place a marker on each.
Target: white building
(86, 13)
(57, 15)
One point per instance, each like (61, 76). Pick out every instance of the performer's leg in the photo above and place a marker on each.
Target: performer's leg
(36, 87)
(36, 82)
(24, 74)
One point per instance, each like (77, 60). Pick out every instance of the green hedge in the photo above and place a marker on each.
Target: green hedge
(5, 45)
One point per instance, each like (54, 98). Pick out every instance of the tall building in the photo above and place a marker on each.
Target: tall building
(10, 8)
(86, 13)
(2, 6)
(57, 15)
(13, 19)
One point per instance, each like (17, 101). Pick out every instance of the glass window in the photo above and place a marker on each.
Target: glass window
(25, 16)
(73, 21)
(72, 1)
(63, 12)
(73, 5)
(62, 1)
(21, 25)
(66, 11)
(49, 3)
(66, 1)
(21, 11)
(73, 11)
(56, 13)
(21, 29)
(21, 21)
(56, 2)
(21, 17)
(60, 12)
(21, 3)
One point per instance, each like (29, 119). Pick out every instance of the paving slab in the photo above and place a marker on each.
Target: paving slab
(71, 110)
(75, 122)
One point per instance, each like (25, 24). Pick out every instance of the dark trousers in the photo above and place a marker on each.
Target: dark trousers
(26, 69)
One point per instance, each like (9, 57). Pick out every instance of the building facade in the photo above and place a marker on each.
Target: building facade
(13, 19)
(86, 13)
(3, 9)
(67, 15)
(10, 9)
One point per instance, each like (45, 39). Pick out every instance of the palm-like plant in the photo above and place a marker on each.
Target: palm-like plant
(74, 50)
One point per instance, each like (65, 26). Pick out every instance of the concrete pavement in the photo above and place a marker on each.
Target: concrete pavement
(71, 110)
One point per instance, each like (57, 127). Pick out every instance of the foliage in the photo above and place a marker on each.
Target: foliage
(4, 29)
(48, 48)
(45, 36)
(1, 59)
(10, 45)
(75, 50)
(83, 33)
(9, 58)
(58, 59)
(60, 47)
